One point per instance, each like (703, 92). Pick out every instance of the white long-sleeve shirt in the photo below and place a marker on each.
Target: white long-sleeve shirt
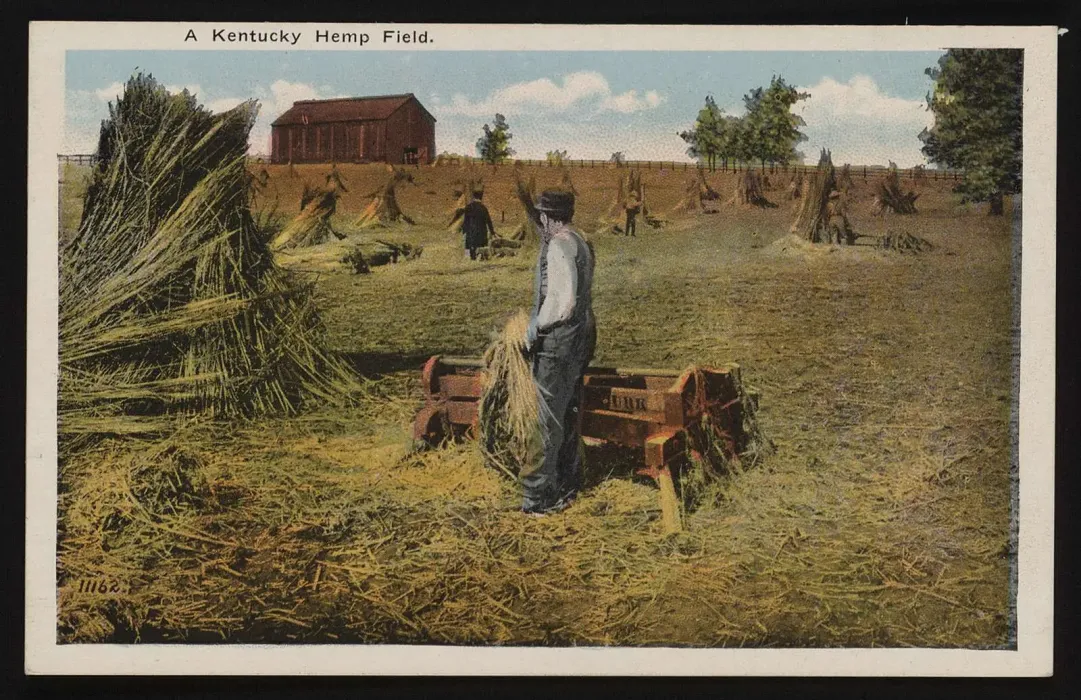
(561, 291)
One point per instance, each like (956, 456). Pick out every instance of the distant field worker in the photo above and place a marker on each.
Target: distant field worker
(633, 206)
(476, 224)
(560, 338)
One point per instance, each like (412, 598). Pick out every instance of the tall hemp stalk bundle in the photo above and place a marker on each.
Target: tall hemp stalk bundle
(748, 190)
(635, 185)
(890, 199)
(312, 225)
(383, 210)
(697, 193)
(795, 188)
(615, 213)
(510, 407)
(815, 210)
(528, 231)
(170, 301)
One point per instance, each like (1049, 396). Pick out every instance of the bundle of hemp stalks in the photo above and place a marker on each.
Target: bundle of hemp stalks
(312, 225)
(170, 301)
(509, 407)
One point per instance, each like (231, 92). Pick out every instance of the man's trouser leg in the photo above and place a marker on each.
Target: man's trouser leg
(557, 376)
(569, 478)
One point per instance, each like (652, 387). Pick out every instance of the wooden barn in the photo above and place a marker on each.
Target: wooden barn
(387, 128)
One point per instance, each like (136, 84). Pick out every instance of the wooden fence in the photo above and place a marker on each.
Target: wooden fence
(78, 158)
(863, 171)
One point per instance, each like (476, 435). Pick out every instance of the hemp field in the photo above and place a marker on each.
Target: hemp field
(882, 518)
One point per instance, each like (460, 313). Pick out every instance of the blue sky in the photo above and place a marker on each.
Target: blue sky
(867, 106)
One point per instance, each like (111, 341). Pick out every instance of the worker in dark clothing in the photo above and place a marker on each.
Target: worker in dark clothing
(476, 223)
(561, 338)
(632, 206)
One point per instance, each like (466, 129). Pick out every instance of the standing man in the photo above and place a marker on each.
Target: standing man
(476, 223)
(560, 338)
(632, 206)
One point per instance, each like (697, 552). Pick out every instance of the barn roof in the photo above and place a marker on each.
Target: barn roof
(345, 109)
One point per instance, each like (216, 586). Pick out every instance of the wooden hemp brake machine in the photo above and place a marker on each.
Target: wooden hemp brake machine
(657, 412)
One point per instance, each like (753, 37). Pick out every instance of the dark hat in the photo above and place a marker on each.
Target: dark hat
(556, 201)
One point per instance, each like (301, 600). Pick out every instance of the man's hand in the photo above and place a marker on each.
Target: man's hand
(530, 335)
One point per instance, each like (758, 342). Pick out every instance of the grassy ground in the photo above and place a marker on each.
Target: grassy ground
(881, 520)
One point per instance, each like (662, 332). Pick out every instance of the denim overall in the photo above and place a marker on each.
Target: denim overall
(561, 355)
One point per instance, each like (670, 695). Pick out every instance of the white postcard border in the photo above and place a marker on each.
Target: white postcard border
(1035, 614)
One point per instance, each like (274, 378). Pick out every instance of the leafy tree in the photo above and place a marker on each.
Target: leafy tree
(617, 158)
(772, 130)
(706, 141)
(977, 106)
(733, 133)
(750, 142)
(741, 141)
(494, 146)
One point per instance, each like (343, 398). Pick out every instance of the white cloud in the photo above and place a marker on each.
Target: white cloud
(630, 102)
(585, 88)
(110, 92)
(272, 104)
(862, 125)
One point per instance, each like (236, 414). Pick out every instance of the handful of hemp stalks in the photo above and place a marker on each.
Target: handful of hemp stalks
(510, 408)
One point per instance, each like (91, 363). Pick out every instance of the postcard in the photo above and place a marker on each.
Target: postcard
(540, 349)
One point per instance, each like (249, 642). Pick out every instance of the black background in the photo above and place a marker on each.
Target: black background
(1064, 13)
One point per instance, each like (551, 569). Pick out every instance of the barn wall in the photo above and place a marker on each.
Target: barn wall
(396, 127)
(360, 141)
(410, 127)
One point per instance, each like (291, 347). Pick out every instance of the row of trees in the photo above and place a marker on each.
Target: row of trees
(977, 105)
(768, 132)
